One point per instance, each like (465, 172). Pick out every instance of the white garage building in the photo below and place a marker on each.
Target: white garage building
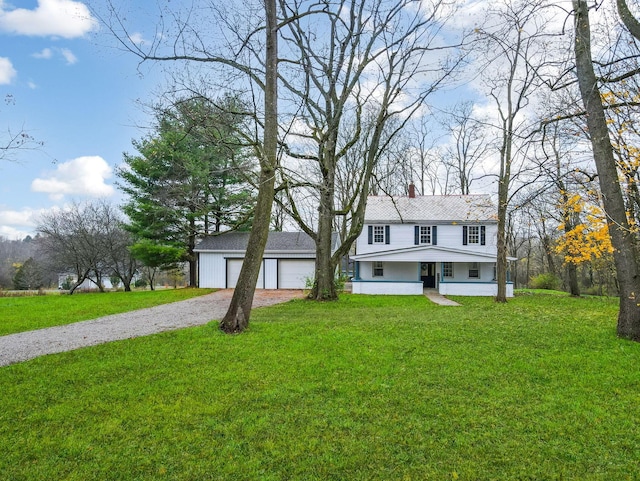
(288, 261)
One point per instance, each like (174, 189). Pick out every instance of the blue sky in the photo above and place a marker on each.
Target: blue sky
(78, 95)
(74, 94)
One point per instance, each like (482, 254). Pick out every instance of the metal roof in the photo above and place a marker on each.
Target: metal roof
(276, 242)
(431, 208)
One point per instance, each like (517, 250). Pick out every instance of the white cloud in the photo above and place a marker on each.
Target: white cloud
(60, 18)
(12, 233)
(46, 53)
(82, 176)
(7, 72)
(17, 224)
(23, 218)
(68, 56)
(137, 38)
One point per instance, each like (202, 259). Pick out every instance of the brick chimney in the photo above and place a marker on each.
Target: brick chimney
(412, 191)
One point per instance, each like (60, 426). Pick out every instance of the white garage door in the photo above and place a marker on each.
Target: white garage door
(233, 272)
(293, 274)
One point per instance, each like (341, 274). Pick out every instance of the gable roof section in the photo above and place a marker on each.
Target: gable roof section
(432, 208)
(276, 242)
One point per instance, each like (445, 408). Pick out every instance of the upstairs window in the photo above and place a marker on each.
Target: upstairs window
(378, 234)
(473, 235)
(425, 235)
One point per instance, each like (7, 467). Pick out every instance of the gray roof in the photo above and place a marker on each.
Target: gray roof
(430, 208)
(277, 241)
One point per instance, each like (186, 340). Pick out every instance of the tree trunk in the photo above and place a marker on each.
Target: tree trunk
(193, 264)
(324, 286)
(193, 272)
(570, 220)
(572, 273)
(501, 260)
(237, 317)
(622, 239)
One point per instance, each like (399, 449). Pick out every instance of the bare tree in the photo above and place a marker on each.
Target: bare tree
(115, 243)
(237, 317)
(89, 240)
(470, 145)
(623, 238)
(372, 77)
(244, 59)
(70, 240)
(515, 52)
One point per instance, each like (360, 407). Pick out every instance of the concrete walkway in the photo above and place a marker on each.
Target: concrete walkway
(434, 296)
(143, 322)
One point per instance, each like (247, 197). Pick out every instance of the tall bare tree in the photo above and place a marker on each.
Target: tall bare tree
(237, 317)
(244, 60)
(623, 238)
(371, 76)
(515, 52)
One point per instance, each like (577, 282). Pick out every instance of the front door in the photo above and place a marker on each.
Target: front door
(428, 274)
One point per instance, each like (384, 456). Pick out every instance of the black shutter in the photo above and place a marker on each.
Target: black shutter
(387, 237)
(434, 235)
(464, 235)
(370, 229)
(416, 235)
(482, 235)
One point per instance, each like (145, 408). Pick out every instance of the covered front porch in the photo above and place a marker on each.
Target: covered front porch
(409, 271)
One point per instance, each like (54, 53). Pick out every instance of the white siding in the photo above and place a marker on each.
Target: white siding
(392, 288)
(461, 272)
(472, 289)
(402, 236)
(393, 271)
(212, 270)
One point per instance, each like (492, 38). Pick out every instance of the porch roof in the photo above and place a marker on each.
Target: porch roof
(427, 254)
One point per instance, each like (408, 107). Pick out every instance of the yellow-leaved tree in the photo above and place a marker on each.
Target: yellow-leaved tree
(586, 241)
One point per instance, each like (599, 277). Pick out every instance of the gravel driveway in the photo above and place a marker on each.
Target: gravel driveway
(167, 317)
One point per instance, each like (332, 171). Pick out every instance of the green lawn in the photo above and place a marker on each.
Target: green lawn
(19, 314)
(368, 388)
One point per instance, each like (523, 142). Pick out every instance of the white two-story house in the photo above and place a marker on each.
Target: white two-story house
(414, 242)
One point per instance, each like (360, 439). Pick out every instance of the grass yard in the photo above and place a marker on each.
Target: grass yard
(18, 314)
(367, 388)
